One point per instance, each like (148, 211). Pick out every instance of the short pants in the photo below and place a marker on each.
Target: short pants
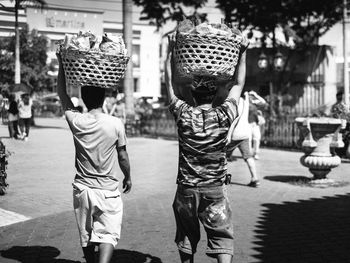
(98, 214)
(243, 146)
(210, 206)
(256, 133)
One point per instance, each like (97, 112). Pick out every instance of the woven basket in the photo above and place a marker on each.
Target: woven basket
(207, 54)
(93, 68)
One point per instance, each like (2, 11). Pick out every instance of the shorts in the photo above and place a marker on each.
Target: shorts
(98, 214)
(256, 134)
(210, 206)
(243, 146)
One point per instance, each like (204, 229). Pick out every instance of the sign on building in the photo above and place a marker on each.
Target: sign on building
(64, 21)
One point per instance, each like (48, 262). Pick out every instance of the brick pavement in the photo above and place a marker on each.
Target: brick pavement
(282, 221)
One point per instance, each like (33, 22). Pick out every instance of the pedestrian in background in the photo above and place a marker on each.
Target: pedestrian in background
(256, 120)
(239, 136)
(100, 145)
(25, 115)
(13, 117)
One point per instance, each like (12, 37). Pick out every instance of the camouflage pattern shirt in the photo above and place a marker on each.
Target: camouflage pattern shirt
(202, 135)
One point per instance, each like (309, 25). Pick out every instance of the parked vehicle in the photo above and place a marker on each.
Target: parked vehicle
(48, 105)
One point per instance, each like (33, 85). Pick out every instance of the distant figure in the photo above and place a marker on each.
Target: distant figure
(244, 145)
(109, 102)
(13, 117)
(339, 109)
(25, 115)
(118, 110)
(256, 120)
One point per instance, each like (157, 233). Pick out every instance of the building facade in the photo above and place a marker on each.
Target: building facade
(99, 17)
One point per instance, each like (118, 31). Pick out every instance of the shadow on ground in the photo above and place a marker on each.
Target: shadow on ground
(34, 254)
(128, 256)
(306, 181)
(315, 230)
(48, 254)
(48, 127)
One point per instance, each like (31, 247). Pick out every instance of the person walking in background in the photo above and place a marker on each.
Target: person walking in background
(118, 110)
(109, 102)
(25, 115)
(240, 137)
(202, 168)
(100, 145)
(339, 109)
(256, 120)
(13, 117)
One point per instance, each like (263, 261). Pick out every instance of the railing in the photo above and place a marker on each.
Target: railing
(281, 133)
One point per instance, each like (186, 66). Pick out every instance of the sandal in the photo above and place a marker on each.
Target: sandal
(255, 183)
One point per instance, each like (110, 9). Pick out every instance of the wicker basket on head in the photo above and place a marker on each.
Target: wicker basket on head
(207, 54)
(88, 68)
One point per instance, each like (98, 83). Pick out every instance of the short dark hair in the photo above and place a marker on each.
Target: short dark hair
(93, 96)
(203, 97)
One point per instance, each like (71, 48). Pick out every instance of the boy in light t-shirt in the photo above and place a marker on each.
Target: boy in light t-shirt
(100, 145)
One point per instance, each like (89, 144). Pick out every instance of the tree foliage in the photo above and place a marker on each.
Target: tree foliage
(33, 60)
(303, 20)
(159, 12)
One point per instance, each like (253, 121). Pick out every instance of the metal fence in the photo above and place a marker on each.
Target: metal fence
(281, 133)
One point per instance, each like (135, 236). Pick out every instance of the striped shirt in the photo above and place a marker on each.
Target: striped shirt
(202, 135)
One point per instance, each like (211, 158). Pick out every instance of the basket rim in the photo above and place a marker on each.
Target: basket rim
(64, 52)
(209, 35)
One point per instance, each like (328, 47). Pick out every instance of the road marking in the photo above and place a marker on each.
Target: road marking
(9, 218)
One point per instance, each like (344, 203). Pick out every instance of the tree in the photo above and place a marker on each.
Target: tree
(18, 5)
(33, 60)
(159, 12)
(303, 20)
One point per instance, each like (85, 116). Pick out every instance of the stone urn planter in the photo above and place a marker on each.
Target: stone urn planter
(319, 137)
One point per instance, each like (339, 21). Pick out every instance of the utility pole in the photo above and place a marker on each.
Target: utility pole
(17, 58)
(128, 79)
(345, 54)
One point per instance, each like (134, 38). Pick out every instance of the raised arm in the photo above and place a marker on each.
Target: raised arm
(168, 78)
(231, 88)
(236, 90)
(61, 87)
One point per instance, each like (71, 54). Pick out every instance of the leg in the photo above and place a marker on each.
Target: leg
(252, 168)
(15, 127)
(105, 252)
(247, 155)
(27, 126)
(21, 127)
(186, 258)
(225, 258)
(215, 213)
(89, 254)
(187, 224)
(256, 147)
(11, 129)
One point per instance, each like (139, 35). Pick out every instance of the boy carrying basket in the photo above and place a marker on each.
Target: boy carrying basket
(100, 145)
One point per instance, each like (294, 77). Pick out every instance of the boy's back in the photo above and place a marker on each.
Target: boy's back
(96, 138)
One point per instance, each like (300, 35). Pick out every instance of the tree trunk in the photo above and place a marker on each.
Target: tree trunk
(17, 58)
(128, 79)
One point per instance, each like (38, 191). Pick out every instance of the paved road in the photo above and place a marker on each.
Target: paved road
(285, 220)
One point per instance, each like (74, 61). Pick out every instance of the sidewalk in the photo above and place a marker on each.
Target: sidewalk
(281, 221)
